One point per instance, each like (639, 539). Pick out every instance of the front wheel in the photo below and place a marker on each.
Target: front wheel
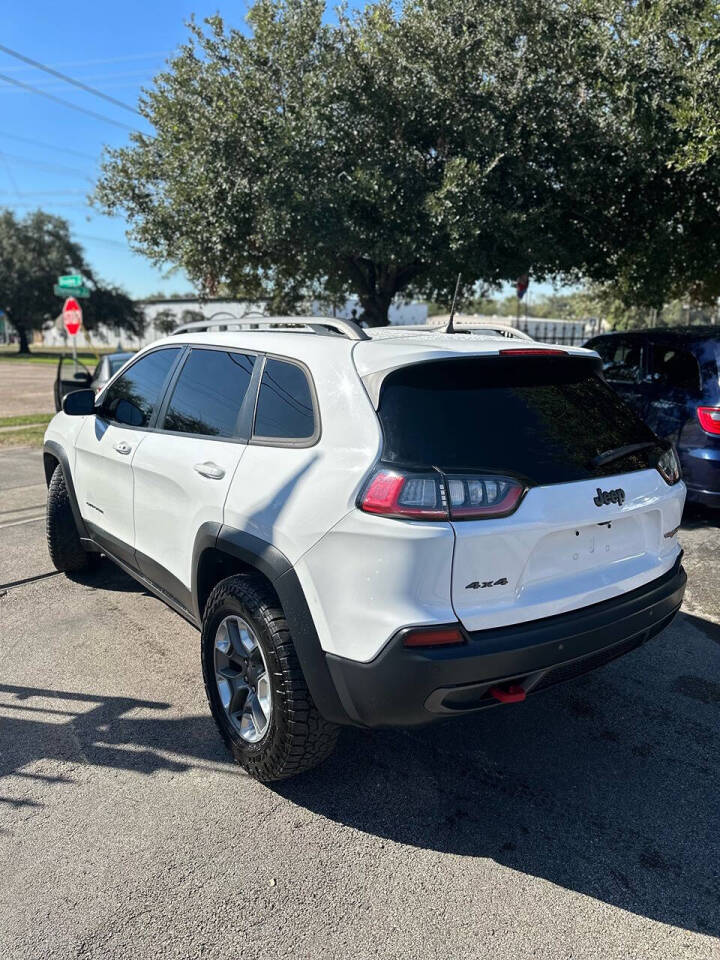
(63, 540)
(255, 685)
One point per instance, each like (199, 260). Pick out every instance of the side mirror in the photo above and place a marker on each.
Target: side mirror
(79, 403)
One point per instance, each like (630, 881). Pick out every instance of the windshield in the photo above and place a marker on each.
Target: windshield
(547, 419)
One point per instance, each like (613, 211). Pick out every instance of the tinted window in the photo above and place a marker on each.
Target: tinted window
(622, 359)
(133, 396)
(284, 407)
(544, 419)
(117, 362)
(209, 393)
(675, 368)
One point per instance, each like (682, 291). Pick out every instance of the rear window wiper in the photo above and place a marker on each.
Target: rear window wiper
(617, 452)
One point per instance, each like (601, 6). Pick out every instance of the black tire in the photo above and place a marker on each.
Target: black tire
(297, 737)
(66, 551)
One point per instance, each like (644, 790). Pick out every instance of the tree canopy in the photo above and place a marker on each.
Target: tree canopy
(387, 152)
(34, 252)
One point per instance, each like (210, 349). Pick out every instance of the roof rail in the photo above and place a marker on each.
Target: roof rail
(325, 326)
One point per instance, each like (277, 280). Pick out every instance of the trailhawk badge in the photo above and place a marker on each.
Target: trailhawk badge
(604, 497)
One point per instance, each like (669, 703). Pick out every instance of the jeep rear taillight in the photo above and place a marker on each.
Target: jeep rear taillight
(410, 496)
(709, 418)
(436, 496)
(475, 497)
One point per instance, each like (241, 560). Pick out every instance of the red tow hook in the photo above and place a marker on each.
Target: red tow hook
(513, 693)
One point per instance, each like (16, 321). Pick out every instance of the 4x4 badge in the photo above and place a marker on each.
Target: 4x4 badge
(481, 584)
(604, 497)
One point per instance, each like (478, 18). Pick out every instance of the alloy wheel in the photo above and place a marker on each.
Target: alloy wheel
(242, 678)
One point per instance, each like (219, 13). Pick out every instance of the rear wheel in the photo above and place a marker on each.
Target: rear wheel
(66, 550)
(255, 685)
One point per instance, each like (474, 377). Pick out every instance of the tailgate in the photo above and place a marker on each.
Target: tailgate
(561, 551)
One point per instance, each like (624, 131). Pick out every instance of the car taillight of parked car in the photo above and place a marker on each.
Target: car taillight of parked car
(435, 496)
(709, 418)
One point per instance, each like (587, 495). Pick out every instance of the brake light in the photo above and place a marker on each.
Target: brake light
(412, 496)
(532, 352)
(433, 637)
(709, 418)
(435, 496)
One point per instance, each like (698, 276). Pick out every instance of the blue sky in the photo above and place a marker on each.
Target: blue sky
(49, 153)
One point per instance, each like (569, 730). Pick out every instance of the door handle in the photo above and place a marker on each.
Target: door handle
(210, 470)
(122, 446)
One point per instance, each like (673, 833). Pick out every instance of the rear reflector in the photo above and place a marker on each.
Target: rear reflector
(709, 418)
(433, 637)
(531, 352)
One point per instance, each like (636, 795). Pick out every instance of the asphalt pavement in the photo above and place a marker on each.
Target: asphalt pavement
(584, 823)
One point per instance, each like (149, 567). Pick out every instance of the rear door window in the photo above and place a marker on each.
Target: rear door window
(131, 399)
(543, 419)
(675, 368)
(208, 396)
(285, 408)
(622, 358)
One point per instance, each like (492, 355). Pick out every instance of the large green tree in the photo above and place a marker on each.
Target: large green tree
(34, 251)
(387, 152)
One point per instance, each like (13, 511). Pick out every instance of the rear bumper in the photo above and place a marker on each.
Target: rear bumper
(404, 686)
(701, 473)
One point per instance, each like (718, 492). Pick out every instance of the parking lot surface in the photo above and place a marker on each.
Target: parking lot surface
(583, 823)
(26, 388)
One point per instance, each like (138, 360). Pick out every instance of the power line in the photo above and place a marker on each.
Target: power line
(46, 146)
(64, 103)
(9, 172)
(125, 59)
(51, 167)
(63, 76)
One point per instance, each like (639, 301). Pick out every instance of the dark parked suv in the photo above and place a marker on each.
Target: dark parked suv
(670, 377)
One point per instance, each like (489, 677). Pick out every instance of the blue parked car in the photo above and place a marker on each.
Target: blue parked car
(670, 377)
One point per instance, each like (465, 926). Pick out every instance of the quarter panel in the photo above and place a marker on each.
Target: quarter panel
(291, 496)
(369, 576)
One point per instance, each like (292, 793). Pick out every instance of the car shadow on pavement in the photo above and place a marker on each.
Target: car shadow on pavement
(67, 727)
(106, 575)
(608, 786)
(696, 517)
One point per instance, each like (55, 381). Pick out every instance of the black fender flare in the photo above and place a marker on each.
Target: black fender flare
(273, 564)
(54, 449)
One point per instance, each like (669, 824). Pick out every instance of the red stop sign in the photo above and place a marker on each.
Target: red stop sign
(72, 316)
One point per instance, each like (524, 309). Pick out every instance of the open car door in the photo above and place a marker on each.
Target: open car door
(71, 375)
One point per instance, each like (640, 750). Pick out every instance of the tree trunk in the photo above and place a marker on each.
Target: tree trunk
(375, 309)
(24, 346)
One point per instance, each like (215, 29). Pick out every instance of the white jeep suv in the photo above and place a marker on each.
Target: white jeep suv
(371, 530)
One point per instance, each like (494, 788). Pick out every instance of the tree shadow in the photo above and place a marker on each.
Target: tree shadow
(608, 786)
(60, 725)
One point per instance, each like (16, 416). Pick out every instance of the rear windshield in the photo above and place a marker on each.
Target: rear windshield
(544, 419)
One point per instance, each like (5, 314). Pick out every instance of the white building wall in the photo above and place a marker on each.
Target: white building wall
(105, 335)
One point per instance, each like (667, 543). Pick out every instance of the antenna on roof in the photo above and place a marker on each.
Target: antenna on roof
(450, 328)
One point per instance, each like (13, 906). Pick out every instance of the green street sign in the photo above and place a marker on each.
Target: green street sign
(70, 281)
(80, 291)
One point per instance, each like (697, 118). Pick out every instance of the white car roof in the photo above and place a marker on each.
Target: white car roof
(380, 350)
